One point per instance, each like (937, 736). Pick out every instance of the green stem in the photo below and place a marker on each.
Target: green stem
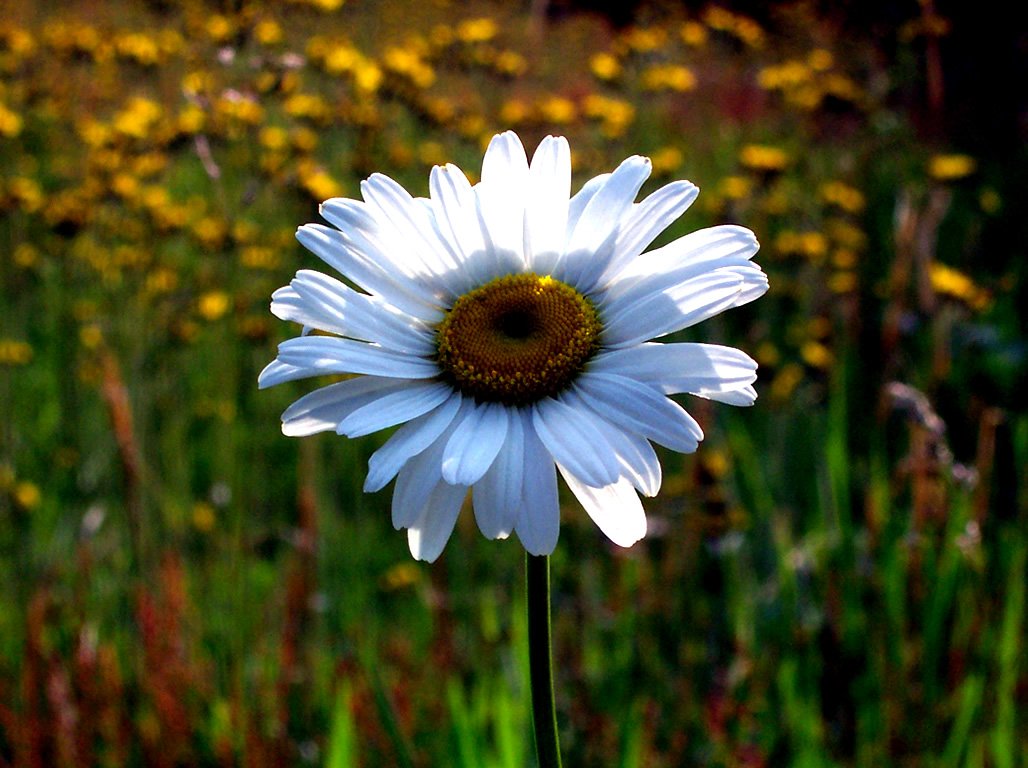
(540, 661)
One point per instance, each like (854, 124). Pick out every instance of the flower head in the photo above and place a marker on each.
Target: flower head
(508, 328)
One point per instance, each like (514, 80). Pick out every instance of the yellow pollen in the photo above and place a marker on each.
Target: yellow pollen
(517, 339)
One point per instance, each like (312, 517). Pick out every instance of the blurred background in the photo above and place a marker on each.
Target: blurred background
(837, 577)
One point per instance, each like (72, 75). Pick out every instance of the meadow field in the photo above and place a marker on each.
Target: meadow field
(836, 578)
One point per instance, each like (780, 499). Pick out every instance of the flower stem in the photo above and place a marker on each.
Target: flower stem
(540, 661)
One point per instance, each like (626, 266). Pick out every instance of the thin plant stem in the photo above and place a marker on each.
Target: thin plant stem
(540, 661)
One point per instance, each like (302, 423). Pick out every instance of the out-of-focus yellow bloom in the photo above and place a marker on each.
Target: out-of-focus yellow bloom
(219, 28)
(510, 64)
(762, 157)
(303, 138)
(213, 305)
(838, 193)
(91, 336)
(138, 47)
(477, 30)
(161, 280)
(744, 29)
(191, 119)
(401, 576)
(26, 193)
(273, 137)
(842, 87)
(645, 39)
(845, 234)
(844, 258)
(605, 66)
(441, 36)
(204, 517)
(767, 354)
(558, 110)
(125, 185)
(268, 32)
(26, 255)
(239, 107)
(990, 201)
(307, 105)
(318, 182)
(843, 282)
(408, 63)
(948, 281)
(789, 74)
(211, 231)
(367, 76)
(668, 77)
(817, 355)
(138, 118)
(514, 112)
(259, 257)
(10, 122)
(694, 34)
(337, 59)
(786, 381)
(666, 160)
(432, 153)
(27, 495)
(615, 115)
(735, 187)
(820, 59)
(951, 167)
(14, 352)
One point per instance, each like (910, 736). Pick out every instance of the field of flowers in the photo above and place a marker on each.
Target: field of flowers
(836, 578)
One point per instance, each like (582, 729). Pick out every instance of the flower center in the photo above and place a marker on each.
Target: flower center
(517, 339)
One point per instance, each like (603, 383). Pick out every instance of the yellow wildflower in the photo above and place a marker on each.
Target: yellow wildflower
(26, 255)
(668, 77)
(219, 28)
(91, 336)
(843, 282)
(558, 110)
(951, 167)
(605, 66)
(10, 122)
(14, 352)
(762, 157)
(213, 305)
(27, 495)
(477, 30)
(948, 281)
(513, 112)
(735, 187)
(694, 34)
(817, 355)
(820, 59)
(838, 193)
(268, 32)
(204, 518)
(666, 160)
(645, 39)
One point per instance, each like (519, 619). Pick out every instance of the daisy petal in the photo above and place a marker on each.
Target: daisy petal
(315, 355)
(648, 219)
(394, 408)
(546, 205)
(642, 408)
(707, 370)
(428, 536)
(575, 439)
(501, 200)
(474, 444)
(615, 508)
(590, 246)
(408, 441)
(415, 483)
(538, 524)
(324, 408)
(497, 496)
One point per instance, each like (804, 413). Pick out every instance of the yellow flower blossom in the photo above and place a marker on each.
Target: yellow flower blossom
(138, 47)
(268, 32)
(785, 381)
(514, 112)
(843, 282)
(318, 183)
(558, 110)
(190, 119)
(669, 77)
(367, 76)
(735, 187)
(14, 352)
(219, 28)
(817, 355)
(951, 282)
(511, 64)
(838, 193)
(694, 34)
(27, 495)
(204, 517)
(645, 39)
(666, 160)
(26, 192)
(307, 105)
(10, 122)
(820, 59)
(273, 137)
(91, 336)
(762, 157)
(259, 257)
(138, 118)
(213, 305)
(605, 66)
(990, 201)
(951, 167)
(26, 255)
(408, 63)
(162, 280)
(479, 30)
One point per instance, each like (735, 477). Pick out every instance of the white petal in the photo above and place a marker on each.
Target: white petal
(428, 536)
(323, 409)
(306, 356)
(546, 206)
(408, 441)
(538, 524)
(725, 245)
(497, 496)
(415, 399)
(501, 200)
(574, 439)
(476, 440)
(707, 370)
(661, 309)
(581, 199)
(317, 300)
(413, 223)
(641, 407)
(648, 219)
(415, 483)
(615, 508)
(590, 246)
(456, 213)
(354, 255)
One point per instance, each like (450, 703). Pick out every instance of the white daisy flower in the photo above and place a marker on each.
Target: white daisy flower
(508, 327)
